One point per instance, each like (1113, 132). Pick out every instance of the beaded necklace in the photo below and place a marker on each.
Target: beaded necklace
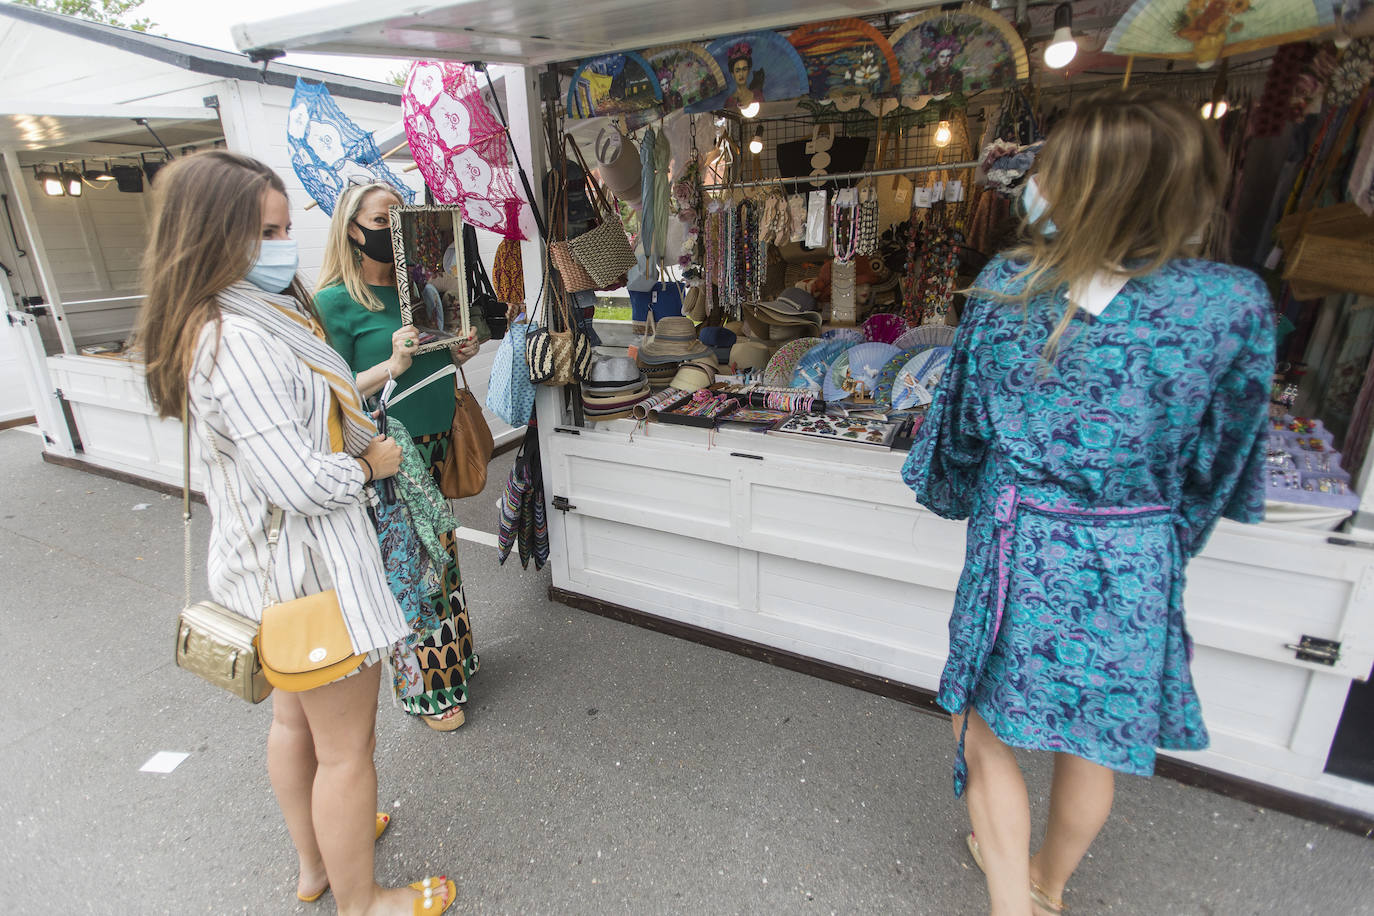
(867, 242)
(844, 253)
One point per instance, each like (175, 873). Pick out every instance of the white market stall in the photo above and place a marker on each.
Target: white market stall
(74, 291)
(816, 556)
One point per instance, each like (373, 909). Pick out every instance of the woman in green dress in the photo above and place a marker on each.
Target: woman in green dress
(358, 303)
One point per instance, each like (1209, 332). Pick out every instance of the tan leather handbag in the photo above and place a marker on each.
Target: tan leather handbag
(464, 469)
(302, 643)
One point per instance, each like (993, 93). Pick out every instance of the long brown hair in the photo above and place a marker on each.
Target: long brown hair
(207, 231)
(1131, 178)
(342, 262)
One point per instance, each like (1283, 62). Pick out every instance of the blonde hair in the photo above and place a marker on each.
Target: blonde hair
(1130, 178)
(206, 234)
(342, 262)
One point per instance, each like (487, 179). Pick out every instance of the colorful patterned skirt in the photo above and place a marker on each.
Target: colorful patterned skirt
(446, 658)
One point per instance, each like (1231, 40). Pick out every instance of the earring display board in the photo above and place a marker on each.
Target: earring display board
(419, 237)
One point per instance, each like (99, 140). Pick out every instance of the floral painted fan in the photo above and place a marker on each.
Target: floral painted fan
(783, 365)
(687, 74)
(846, 54)
(1204, 30)
(613, 84)
(927, 335)
(965, 50)
(854, 374)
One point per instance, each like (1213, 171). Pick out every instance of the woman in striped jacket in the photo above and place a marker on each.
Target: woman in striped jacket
(227, 326)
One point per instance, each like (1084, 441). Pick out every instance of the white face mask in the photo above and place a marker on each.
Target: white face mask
(1036, 205)
(276, 265)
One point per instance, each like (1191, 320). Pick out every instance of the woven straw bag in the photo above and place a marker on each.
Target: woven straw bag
(557, 352)
(574, 275)
(604, 251)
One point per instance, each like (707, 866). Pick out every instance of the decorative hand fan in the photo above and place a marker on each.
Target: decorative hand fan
(613, 84)
(884, 327)
(882, 394)
(687, 74)
(815, 363)
(783, 365)
(966, 50)
(916, 381)
(758, 66)
(850, 335)
(927, 335)
(846, 54)
(1204, 30)
(854, 373)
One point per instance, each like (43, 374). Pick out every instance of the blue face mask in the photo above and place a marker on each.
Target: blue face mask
(1035, 205)
(276, 265)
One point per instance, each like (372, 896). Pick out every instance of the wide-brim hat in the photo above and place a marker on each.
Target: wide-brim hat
(792, 301)
(640, 380)
(694, 376)
(675, 338)
(612, 372)
(750, 354)
(760, 319)
(622, 401)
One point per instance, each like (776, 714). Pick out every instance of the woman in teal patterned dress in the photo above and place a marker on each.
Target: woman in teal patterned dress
(1103, 408)
(358, 303)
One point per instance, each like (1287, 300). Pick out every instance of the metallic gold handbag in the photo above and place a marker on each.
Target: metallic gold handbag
(212, 641)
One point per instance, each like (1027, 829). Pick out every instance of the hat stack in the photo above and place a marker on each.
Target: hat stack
(613, 386)
(694, 376)
(791, 316)
(674, 343)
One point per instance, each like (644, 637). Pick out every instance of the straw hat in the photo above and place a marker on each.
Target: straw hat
(750, 354)
(619, 164)
(674, 340)
(694, 376)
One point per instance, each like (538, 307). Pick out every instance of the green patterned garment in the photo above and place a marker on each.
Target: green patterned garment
(428, 508)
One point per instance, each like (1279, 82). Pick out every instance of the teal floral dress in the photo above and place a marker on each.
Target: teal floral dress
(1088, 483)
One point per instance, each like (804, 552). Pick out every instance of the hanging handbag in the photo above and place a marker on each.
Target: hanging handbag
(212, 642)
(486, 308)
(604, 251)
(557, 353)
(574, 276)
(463, 471)
(510, 394)
(508, 272)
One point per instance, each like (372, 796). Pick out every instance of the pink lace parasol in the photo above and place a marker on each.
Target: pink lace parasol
(460, 146)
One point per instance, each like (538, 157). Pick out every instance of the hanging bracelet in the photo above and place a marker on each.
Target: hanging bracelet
(371, 474)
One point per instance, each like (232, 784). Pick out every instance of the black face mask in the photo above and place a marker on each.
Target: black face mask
(376, 244)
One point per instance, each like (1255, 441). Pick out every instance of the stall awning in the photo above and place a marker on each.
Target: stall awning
(25, 126)
(531, 32)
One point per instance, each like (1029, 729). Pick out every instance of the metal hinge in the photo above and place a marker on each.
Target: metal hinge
(561, 504)
(1312, 649)
(60, 395)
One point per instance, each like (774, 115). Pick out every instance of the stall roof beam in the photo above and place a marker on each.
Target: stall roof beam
(36, 126)
(531, 32)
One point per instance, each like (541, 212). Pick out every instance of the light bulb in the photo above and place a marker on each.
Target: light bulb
(751, 110)
(943, 134)
(1061, 50)
(1206, 110)
(1220, 110)
(1062, 47)
(73, 187)
(756, 145)
(53, 187)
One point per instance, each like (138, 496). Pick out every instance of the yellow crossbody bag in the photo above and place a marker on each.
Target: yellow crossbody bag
(303, 643)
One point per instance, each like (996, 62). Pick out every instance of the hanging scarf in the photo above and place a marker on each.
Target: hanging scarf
(647, 185)
(286, 319)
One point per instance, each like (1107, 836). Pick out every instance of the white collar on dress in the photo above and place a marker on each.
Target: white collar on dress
(1097, 293)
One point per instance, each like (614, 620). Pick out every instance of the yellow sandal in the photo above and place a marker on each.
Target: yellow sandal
(383, 822)
(425, 905)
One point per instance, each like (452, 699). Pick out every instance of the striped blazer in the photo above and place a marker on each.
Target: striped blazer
(268, 413)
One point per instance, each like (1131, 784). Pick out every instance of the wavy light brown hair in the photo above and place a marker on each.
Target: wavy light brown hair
(1132, 178)
(207, 231)
(342, 262)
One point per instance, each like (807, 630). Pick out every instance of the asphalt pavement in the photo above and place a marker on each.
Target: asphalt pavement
(604, 768)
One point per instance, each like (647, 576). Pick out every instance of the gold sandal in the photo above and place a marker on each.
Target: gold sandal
(448, 720)
(1037, 893)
